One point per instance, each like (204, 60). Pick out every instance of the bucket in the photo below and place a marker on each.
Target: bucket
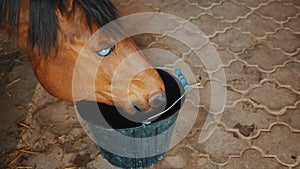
(128, 144)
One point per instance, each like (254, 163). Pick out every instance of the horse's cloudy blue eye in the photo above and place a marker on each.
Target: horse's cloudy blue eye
(106, 51)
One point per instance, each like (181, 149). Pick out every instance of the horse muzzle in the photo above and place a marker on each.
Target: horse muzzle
(157, 102)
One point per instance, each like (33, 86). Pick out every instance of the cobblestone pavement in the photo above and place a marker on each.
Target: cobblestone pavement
(259, 46)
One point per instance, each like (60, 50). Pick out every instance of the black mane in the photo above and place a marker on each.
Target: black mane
(43, 23)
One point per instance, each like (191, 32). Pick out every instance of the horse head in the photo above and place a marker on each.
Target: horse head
(68, 35)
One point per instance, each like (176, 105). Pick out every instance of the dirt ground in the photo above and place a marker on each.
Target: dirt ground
(259, 46)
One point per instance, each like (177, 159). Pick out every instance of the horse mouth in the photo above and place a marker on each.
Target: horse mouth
(96, 112)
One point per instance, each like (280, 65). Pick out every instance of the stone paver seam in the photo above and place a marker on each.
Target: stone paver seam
(273, 81)
(253, 148)
(273, 19)
(243, 92)
(254, 7)
(198, 16)
(255, 105)
(284, 28)
(165, 6)
(196, 105)
(292, 59)
(186, 59)
(216, 33)
(173, 31)
(236, 131)
(230, 156)
(152, 7)
(238, 18)
(285, 85)
(260, 39)
(185, 54)
(288, 20)
(283, 66)
(172, 3)
(249, 138)
(285, 53)
(205, 8)
(262, 70)
(244, 49)
(278, 123)
(287, 3)
(196, 5)
(264, 155)
(275, 156)
(256, 38)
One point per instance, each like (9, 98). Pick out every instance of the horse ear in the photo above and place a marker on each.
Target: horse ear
(64, 9)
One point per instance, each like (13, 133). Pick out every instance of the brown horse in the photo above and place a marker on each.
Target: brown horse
(53, 32)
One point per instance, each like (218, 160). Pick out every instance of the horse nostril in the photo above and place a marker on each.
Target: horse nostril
(158, 101)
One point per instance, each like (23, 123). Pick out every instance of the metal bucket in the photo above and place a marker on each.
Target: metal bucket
(149, 142)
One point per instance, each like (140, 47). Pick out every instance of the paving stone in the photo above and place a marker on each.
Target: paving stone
(251, 3)
(234, 40)
(177, 157)
(229, 11)
(214, 147)
(291, 117)
(209, 24)
(297, 167)
(135, 7)
(205, 93)
(257, 25)
(190, 36)
(204, 163)
(188, 117)
(285, 40)
(205, 4)
(286, 142)
(158, 4)
(168, 43)
(226, 57)
(183, 9)
(200, 120)
(241, 77)
(288, 75)
(194, 60)
(161, 24)
(293, 2)
(278, 11)
(293, 24)
(118, 3)
(297, 57)
(276, 98)
(245, 114)
(265, 58)
(210, 58)
(144, 40)
(252, 158)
